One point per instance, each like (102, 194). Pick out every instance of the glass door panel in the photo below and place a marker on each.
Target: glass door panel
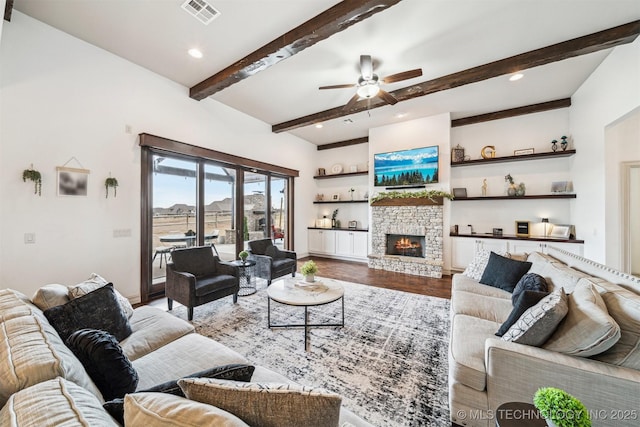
(219, 210)
(279, 224)
(255, 218)
(173, 222)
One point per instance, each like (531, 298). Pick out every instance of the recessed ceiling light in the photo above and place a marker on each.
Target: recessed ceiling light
(195, 53)
(319, 126)
(400, 115)
(516, 76)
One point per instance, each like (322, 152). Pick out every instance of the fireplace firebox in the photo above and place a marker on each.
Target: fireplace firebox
(405, 245)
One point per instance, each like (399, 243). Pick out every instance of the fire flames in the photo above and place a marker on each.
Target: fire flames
(406, 243)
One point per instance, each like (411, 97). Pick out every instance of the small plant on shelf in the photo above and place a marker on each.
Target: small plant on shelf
(308, 270)
(111, 183)
(561, 408)
(36, 177)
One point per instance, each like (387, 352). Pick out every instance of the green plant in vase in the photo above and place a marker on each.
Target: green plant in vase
(308, 270)
(560, 408)
(243, 255)
(111, 183)
(36, 177)
(512, 189)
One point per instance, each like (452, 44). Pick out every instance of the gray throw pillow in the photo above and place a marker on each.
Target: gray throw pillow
(99, 309)
(525, 300)
(539, 322)
(503, 273)
(529, 282)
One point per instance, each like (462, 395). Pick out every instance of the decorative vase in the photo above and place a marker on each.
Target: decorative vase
(554, 145)
(309, 278)
(511, 191)
(520, 190)
(564, 143)
(244, 260)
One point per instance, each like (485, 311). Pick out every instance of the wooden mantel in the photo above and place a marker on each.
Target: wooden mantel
(409, 201)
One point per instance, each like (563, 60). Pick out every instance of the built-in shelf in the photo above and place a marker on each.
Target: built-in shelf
(341, 175)
(338, 228)
(515, 237)
(548, 155)
(340, 201)
(537, 196)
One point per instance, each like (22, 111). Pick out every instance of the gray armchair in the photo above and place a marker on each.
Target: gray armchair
(272, 262)
(195, 277)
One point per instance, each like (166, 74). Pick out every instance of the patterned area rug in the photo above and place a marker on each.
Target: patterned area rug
(389, 362)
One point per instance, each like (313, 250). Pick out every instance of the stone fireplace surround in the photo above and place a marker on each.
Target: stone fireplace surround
(414, 218)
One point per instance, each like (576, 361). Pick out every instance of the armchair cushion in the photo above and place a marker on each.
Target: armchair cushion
(207, 285)
(259, 247)
(282, 263)
(198, 261)
(273, 252)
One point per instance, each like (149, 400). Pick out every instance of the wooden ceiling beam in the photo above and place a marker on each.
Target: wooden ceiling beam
(331, 21)
(345, 143)
(8, 8)
(512, 112)
(595, 42)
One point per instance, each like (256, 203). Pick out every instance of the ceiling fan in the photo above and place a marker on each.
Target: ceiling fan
(369, 83)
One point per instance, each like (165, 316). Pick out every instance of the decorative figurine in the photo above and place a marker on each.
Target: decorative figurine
(564, 143)
(554, 145)
(484, 187)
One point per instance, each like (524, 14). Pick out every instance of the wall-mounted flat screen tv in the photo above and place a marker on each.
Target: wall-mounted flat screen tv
(414, 167)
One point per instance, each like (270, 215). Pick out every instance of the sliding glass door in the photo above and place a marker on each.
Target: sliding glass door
(219, 210)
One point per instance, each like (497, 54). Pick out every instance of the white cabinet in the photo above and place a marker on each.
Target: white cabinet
(463, 249)
(341, 244)
(322, 241)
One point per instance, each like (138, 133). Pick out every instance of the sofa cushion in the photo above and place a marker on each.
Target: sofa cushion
(176, 360)
(151, 329)
(31, 352)
(94, 282)
(104, 361)
(466, 350)
(588, 329)
(15, 304)
(166, 410)
(267, 405)
(525, 300)
(624, 306)
(503, 273)
(96, 310)
(483, 306)
(531, 282)
(477, 266)
(51, 295)
(556, 274)
(460, 282)
(56, 402)
(539, 322)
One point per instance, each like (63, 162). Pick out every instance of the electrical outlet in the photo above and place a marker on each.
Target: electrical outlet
(29, 238)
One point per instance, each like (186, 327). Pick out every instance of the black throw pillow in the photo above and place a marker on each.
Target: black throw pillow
(98, 309)
(526, 300)
(232, 372)
(503, 273)
(104, 361)
(529, 282)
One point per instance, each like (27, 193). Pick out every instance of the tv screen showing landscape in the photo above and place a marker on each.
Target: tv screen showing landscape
(417, 166)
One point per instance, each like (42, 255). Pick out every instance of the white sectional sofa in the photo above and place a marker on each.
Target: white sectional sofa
(486, 371)
(35, 364)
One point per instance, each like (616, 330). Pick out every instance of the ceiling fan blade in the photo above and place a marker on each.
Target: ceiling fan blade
(366, 67)
(405, 75)
(353, 101)
(337, 86)
(387, 97)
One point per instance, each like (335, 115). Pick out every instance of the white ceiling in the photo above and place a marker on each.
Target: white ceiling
(439, 36)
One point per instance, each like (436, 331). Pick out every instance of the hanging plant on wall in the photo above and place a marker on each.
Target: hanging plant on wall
(36, 177)
(113, 183)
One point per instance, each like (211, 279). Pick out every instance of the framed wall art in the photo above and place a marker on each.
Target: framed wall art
(522, 228)
(72, 181)
(561, 231)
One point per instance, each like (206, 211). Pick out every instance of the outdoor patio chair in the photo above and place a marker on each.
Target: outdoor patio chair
(271, 262)
(195, 277)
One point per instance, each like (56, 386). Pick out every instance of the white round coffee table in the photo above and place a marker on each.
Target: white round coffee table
(291, 291)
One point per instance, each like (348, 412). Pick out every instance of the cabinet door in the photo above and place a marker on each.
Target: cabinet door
(522, 247)
(360, 244)
(496, 245)
(462, 251)
(328, 241)
(316, 241)
(344, 243)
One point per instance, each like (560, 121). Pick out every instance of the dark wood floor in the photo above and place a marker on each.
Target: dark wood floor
(358, 272)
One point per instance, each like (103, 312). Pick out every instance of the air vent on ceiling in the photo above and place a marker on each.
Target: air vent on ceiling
(201, 10)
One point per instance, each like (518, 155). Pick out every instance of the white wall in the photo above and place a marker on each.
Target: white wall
(612, 91)
(427, 131)
(63, 98)
(528, 131)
